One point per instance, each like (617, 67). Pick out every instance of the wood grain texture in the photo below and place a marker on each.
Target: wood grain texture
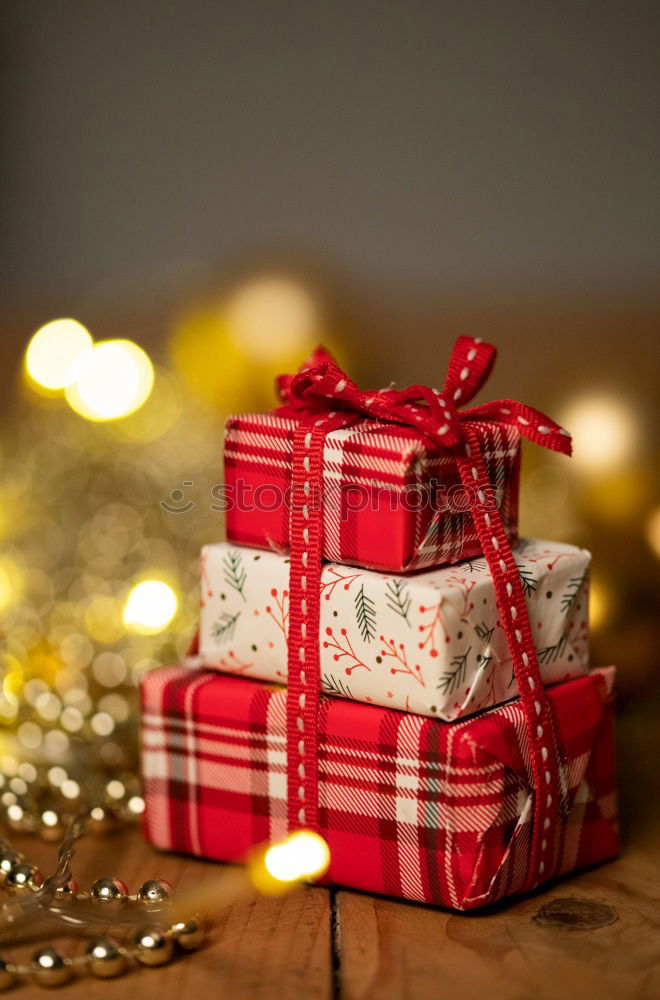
(391, 950)
(260, 949)
(394, 950)
(275, 949)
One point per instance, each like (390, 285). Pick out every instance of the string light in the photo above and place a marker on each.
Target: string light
(273, 871)
(110, 380)
(303, 855)
(52, 352)
(151, 605)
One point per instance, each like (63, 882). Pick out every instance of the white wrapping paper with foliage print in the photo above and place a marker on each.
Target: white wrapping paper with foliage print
(431, 643)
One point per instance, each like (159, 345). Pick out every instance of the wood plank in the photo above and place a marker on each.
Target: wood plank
(394, 950)
(386, 950)
(260, 949)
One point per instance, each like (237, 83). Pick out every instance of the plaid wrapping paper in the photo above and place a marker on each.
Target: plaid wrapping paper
(392, 500)
(411, 807)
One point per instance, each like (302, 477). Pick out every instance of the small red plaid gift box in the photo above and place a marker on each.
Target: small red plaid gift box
(411, 807)
(391, 500)
(381, 466)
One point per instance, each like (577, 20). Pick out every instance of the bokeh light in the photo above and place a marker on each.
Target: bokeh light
(653, 531)
(151, 605)
(600, 604)
(103, 620)
(266, 325)
(52, 353)
(10, 582)
(604, 431)
(272, 317)
(110, 380)
(302, 855)
(159, 413)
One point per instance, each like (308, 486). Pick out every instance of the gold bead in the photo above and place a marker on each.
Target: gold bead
(188, 934)
(67, 892)
(155, 894)
(8, 860)
(7, 978)
(153, 946)
(49, 968)
(104, 958)
(110, 892)
(23, 878)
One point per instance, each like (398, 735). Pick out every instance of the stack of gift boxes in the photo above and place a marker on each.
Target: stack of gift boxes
(430, 773)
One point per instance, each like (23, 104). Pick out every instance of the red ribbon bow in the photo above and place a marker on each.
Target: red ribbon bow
(321, 386)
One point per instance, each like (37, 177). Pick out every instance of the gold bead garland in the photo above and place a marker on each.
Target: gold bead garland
(152, 944)
(104, 958)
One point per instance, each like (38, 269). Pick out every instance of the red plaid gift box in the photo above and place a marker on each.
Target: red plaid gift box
(391, 500)
(410, 806)
(381, 466)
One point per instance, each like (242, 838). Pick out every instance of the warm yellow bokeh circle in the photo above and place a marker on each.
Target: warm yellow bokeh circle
(52, 352)
(150, 606)
(230, 351)
(110, 380)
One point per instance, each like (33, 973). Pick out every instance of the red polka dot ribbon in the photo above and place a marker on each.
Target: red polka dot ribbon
(324, 398)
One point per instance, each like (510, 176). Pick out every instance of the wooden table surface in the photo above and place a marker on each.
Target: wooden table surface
(317, 943)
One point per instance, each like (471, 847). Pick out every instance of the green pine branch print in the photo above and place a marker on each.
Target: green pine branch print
(365, 612)
(526, 579)
(233, 572)
(224, 628)
(335, 685)
(550, 654)
(452, 679)
(483, 661)
(483, 632)
(476, 565)
(572, 590)
(398, 599)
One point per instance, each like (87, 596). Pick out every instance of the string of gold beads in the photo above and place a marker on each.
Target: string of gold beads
(17, 876)
(152, 945)
(105, 958)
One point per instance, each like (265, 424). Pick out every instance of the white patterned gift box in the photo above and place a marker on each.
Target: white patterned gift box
(431, 643)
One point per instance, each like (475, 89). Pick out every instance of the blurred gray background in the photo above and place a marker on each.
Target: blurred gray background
(455, 145)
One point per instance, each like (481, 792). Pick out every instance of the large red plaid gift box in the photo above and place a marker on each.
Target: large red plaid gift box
(430, 643)
(383, 468)
(410, 806)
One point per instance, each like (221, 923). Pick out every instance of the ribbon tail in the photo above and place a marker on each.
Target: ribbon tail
(533, 424)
